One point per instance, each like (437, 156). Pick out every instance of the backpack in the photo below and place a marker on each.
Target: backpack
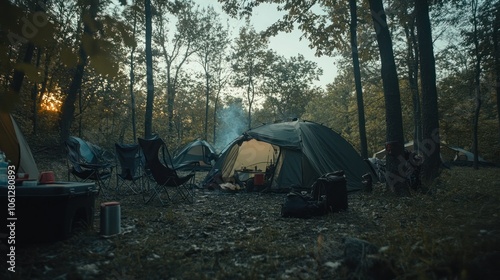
(301, 206)
(332, 189)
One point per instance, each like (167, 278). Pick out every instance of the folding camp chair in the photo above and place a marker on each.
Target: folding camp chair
(88, 162)
(129, 168)
(159, 165)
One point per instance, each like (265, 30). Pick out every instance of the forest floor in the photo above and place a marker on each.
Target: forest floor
(450, 232)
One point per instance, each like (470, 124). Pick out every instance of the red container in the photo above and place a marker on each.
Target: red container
(258, 179)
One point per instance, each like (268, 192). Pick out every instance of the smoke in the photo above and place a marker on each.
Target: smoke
(232, 123)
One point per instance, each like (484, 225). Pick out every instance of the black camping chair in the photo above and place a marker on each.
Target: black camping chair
(129, 168)
(88, 162)
(159, 166)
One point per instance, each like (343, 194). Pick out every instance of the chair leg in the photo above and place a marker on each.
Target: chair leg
(127, 187)
(156, 193)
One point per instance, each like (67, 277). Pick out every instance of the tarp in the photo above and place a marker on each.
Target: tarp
(298, 151)
(381, 154)
(449, 154)
(199, 151)
(15, 147)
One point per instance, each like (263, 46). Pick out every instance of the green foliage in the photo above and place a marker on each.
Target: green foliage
(288, 86)
(273, 87)
(250, 64)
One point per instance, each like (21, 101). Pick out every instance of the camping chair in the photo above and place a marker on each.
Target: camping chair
(159, 165)
(87, 162)
(129, 161)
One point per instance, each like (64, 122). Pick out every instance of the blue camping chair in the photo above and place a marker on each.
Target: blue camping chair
(88, 162)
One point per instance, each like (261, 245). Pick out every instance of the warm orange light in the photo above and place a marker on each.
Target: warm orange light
(50, 103)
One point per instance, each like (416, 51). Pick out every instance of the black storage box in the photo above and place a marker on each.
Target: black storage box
(334, 187)
(49, 212)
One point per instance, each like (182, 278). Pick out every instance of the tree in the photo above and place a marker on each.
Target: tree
(496, 55)
(477, 80)
(213, 41)
(325, 31)
(250, 64)
(177, 48)
(357, 79)
(332, 108)
(496, 59)
(132, 76)
(221, 79)
(395, 177)
(148, 118)
(407, 21)
(430, 115)
(88, 17)
(288, 87)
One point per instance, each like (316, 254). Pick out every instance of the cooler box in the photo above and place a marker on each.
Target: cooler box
(50, 212)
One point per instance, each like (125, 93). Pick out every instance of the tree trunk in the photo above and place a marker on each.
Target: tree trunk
(216, 104)
(250, 98)
(148, 118)
(395, 176)
(417, 108)
(357, 79)
(34, 95)
(412, 64)
(45, 80)
(170, 103)
(68, 106)
(132, 82)
(430, 145)
(80, 113)
(496, 54)
(477, 86)
(207, 95)
(17, 81)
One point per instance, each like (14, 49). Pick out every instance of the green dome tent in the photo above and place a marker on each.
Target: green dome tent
(299, 152)
(198, 151)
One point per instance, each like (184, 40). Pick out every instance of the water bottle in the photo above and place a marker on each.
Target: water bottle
(3, 169)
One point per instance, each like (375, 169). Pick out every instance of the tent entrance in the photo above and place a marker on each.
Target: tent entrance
(250, 158)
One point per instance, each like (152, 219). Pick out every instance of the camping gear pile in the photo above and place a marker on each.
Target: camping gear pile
(328, 195)
(50, 210)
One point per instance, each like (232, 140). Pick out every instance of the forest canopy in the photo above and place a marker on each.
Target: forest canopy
(79, 68)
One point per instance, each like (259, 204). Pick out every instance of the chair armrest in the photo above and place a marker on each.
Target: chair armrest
(192, 164)
(97, 165)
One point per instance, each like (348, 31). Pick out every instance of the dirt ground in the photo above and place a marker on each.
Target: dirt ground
(450, 232)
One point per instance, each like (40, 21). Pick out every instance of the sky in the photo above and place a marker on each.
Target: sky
(286, 44)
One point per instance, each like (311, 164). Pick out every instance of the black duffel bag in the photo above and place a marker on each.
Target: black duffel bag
(301, 206)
